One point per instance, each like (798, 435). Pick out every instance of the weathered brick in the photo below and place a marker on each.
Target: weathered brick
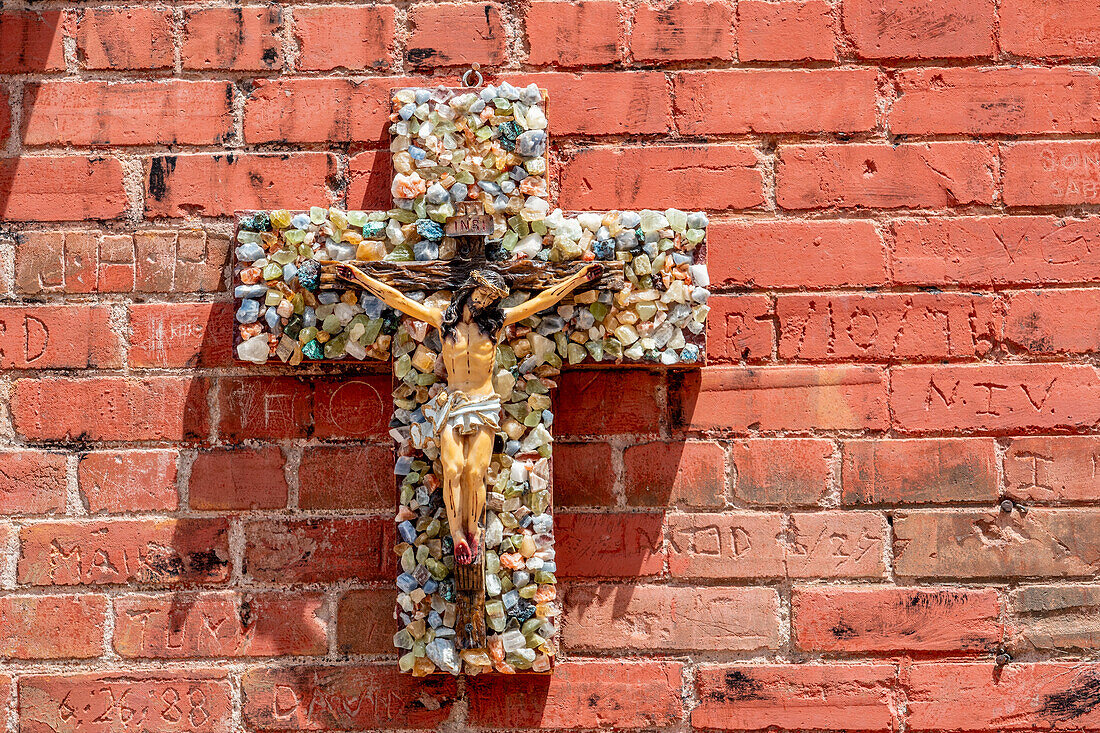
(919, 28)
(218, 185)
(365, 623)
(355, 409)
(838, 544)
(128, 481)
(931, 471)
(219, 624)
(264, 407)
(366, 45)
(795, 254)
(434, 42)
(368, 177)
(332, 111)
(238, 478)
(659, 177)
(886, 619)
(1053, 619)
(573, 33)
(678, 473)
(32, 482)
(791, 30)
(111, 409)
(181, 334)
(345, 698)
(185, 701)
(5, 117)
(781, 398)
(355, 477)
(985, 544)
(910, 175)
(124, 38)
(580, 694)
(979, 697)
(659, 618)
(58, 337)
(683, 31)
(1051, 173)
(729, 545)
(166, 551)
(1066, 29)
(775, 100)
(66, 188)
(628, 545)
(52, 627)
(1059, 321)
(781, 471)
(831, 696)
(240, 39)
(583, 474)
(1053, 468)
(995, 250)
(31, 41)
(320, 550)
(993, 398)
(886, 326)
(595, 103)
(607, 402)
(739, 328)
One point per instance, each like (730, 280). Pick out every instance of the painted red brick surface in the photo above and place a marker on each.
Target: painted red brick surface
(884, 477)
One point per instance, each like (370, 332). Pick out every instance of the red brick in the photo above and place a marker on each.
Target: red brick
(68, 188)
(124, 38)
(128, 481)
(368, 178)
(192, 701)
(1053, 469)
(365, 44)
(345, 698)
(683, 31)
(795, 254)
(32, 482)
(199, 260)
(985, 544)
(1051, 173)
(596, 103)
(584, 694)
(320, 550)
(729, 545)
(111, 408)
(919, 471)
(628, 545)
(608, 402)
(981, 697)
(165, 551)
(352, 408)
(887, 326)
(660, 618)
(356, 477)
(57, 337)
(5, 124)
(992, 398)
(365, 623)
(781, 398)
(919, 28)
(433, 41)
(330, 111)
(1054, 321)
(886, 619)
(1053, 618)
(241, 39)
(929, 175)
(583, 474)
(996, 250)
(782, 471)
(995, 101)
(739, 328)
(573, 33)
(791, 30)
(30, 42)
(181, 334)
(775, 100)
(832, 696)
(238, 478)
(264, 408)
(839, 544)
(218, 185)
(678, 473)
(682, 176)
(220, 624)
(52, 627)
(1066, 29)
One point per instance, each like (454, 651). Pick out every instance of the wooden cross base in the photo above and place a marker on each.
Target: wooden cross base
(470, 603)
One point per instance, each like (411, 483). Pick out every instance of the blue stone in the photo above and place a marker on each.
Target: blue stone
(407, 583)
(531, 144)
(250, 291)
(422, 95)
(407, 531)
(679, 258)
(309, 317)
(626, 240)
(289, 272)
(417, 153)
(630, 219)
(431, 585)
(425, 249)
(604, 249)
(435, 620)
(429, 229)
(371, 305)
(300, 221)
(309, 274)
(489, 187)
(250, 252)
(328, 297)
(689, 353)
(272, 318)
(458, 192)
(512, 447)
(407, 111)
(249, 311)
(488, 94)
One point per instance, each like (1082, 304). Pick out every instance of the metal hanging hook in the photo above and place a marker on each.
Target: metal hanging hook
(473, 73)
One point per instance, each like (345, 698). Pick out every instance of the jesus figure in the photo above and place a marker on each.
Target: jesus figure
(466, 415)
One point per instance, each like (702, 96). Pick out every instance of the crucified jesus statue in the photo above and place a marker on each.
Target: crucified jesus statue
(465, 416)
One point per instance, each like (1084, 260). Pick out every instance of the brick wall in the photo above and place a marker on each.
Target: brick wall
(812, 532)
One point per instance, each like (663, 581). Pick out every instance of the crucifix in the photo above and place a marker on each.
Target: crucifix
(480, 295)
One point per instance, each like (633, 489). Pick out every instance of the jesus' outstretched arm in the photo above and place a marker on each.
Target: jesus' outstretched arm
(550, 296)
(391, 296)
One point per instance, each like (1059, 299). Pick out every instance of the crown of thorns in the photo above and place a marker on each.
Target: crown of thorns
(486, 280)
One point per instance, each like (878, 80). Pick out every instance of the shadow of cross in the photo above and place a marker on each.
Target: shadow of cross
(470, 196)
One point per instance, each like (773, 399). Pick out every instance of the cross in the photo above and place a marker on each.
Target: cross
(487, 278)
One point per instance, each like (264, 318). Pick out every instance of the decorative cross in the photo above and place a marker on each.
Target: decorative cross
(496, 294)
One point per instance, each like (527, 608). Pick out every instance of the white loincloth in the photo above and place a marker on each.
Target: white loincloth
(456, 409)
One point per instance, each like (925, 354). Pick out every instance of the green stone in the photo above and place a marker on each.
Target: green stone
(272, 271)
(332, 324)
(599, 310)
(312, 349)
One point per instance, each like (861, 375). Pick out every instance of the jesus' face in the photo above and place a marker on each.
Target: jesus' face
(482, 298)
